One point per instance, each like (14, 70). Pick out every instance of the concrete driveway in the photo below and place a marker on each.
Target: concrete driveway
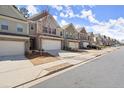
(10, 63)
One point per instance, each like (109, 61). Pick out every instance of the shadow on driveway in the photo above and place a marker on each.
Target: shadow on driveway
(13, 58)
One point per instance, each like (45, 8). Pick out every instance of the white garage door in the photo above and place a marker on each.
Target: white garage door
(74, 45)
(8, 48)
(85, 44)
(51, 44)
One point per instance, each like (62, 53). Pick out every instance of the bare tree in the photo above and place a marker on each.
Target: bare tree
(24, 11)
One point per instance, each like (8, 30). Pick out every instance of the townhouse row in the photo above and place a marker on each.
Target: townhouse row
(41, 32)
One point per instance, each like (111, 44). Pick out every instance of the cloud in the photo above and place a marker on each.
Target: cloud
(55, 17)
(88, 14)
(63, 15)
(93, 20)
(91, 6)
(32, 9)
(70, 12)
(67, 12)
(57, 7)
(78, 26)
(113, 28)
(63, 22)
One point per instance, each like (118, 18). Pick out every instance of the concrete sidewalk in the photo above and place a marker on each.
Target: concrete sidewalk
(20, 75)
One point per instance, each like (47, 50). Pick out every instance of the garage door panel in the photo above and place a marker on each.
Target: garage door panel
(51, 44)
(8, 48)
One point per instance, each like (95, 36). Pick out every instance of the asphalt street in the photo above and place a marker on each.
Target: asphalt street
(104, 72)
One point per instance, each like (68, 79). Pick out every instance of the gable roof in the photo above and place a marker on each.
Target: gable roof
(11, 11)
(81, 30)
(65, 26)
(38, 16)
(69, 25)
(43, 16)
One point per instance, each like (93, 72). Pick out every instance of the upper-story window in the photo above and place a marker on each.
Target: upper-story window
(49, 30)
(19, 28)
(70, 35)
(66, 33)
(4, 25)
(45, 30)
(53, 31)
(61, 33)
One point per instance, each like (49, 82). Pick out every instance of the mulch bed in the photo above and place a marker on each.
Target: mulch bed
(38, 59)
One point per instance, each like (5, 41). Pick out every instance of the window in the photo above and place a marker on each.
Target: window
(4, 27)
(19, 28)
(61, 34)
(32, 27)
(53, 31)
(49, 30)
(45, 30)
(70, 34)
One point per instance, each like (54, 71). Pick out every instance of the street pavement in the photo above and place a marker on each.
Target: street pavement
(104, 72)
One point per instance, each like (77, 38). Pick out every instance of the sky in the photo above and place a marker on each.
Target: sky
(104, 19)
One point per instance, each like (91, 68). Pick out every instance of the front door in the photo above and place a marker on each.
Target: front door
(32, 43)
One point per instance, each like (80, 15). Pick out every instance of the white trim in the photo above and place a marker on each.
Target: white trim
(72, 40)
(50, 37)
(28, 29)
(16, 37)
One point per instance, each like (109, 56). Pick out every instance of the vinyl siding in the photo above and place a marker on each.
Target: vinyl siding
(47, 21)
(9, 10)
(12, 26)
